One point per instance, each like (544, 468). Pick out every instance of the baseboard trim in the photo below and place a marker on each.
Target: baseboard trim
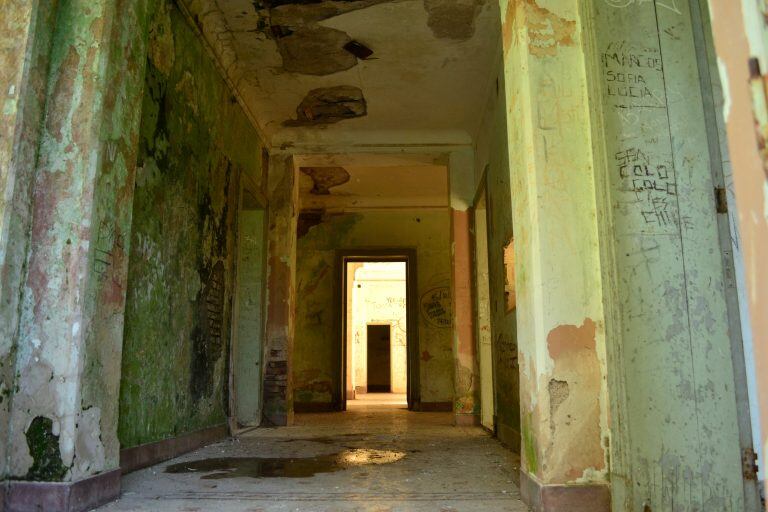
(509, 436)
(22, 496)
(436, 407)
(466, 420)
(145, 455)
(564, 498)
(313, 407)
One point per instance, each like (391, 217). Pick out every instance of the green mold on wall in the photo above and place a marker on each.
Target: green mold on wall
(43, 446)
(529, 447)
(193, 148)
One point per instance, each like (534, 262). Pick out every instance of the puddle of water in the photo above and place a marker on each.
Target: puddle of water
(271, 467)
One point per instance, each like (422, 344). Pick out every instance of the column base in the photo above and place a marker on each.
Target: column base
(63, 496)
(564, 498)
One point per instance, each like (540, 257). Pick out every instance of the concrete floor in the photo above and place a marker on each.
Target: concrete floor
(408, 462)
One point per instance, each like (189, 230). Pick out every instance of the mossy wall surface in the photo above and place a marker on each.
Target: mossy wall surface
(314, 349)
(195, 143)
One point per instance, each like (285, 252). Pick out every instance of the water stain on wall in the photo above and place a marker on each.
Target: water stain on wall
(324, 178)
(453, 19)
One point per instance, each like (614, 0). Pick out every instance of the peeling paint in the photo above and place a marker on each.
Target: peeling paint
(329, 105)
(316, 50)
(574, 391)
(546, 31)
(324, 178)
(453, 19)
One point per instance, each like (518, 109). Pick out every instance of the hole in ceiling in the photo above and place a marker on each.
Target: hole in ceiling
(358, 49)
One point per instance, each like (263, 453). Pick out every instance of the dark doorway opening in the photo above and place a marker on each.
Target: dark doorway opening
(379, 359)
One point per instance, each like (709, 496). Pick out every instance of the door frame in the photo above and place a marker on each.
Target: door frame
(482, 193)
(370, 255)
(256, 201)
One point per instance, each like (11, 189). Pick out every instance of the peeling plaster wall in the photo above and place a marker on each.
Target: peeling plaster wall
(64, 411)
(560, 333)
(195, 144)
(26, 31)
(314, 349)
(283, 194)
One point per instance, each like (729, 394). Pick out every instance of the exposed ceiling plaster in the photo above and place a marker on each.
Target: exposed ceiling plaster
(427, 79)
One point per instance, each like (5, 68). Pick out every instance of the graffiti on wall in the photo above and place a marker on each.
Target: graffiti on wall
(436, 306)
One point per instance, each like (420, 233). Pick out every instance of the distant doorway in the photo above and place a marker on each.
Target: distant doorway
(379, 338)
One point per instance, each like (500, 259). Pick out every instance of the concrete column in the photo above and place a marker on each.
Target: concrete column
(466, 404)
(283, 202)
(26, 29)
(560, 326)
(63, 426)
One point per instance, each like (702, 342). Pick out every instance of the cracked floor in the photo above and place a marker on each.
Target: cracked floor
(377, 456)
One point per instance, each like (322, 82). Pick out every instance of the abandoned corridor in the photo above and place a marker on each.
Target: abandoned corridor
(222, 223)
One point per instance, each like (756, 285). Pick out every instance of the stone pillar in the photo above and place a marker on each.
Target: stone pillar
(63, 426)
(560, 325)
(466, 404)
(283, 202)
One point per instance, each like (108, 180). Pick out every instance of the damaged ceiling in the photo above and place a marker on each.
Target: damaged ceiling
(336, 188)
(305, 71)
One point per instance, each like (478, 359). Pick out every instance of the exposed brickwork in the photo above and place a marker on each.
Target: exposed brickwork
(278, 389)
